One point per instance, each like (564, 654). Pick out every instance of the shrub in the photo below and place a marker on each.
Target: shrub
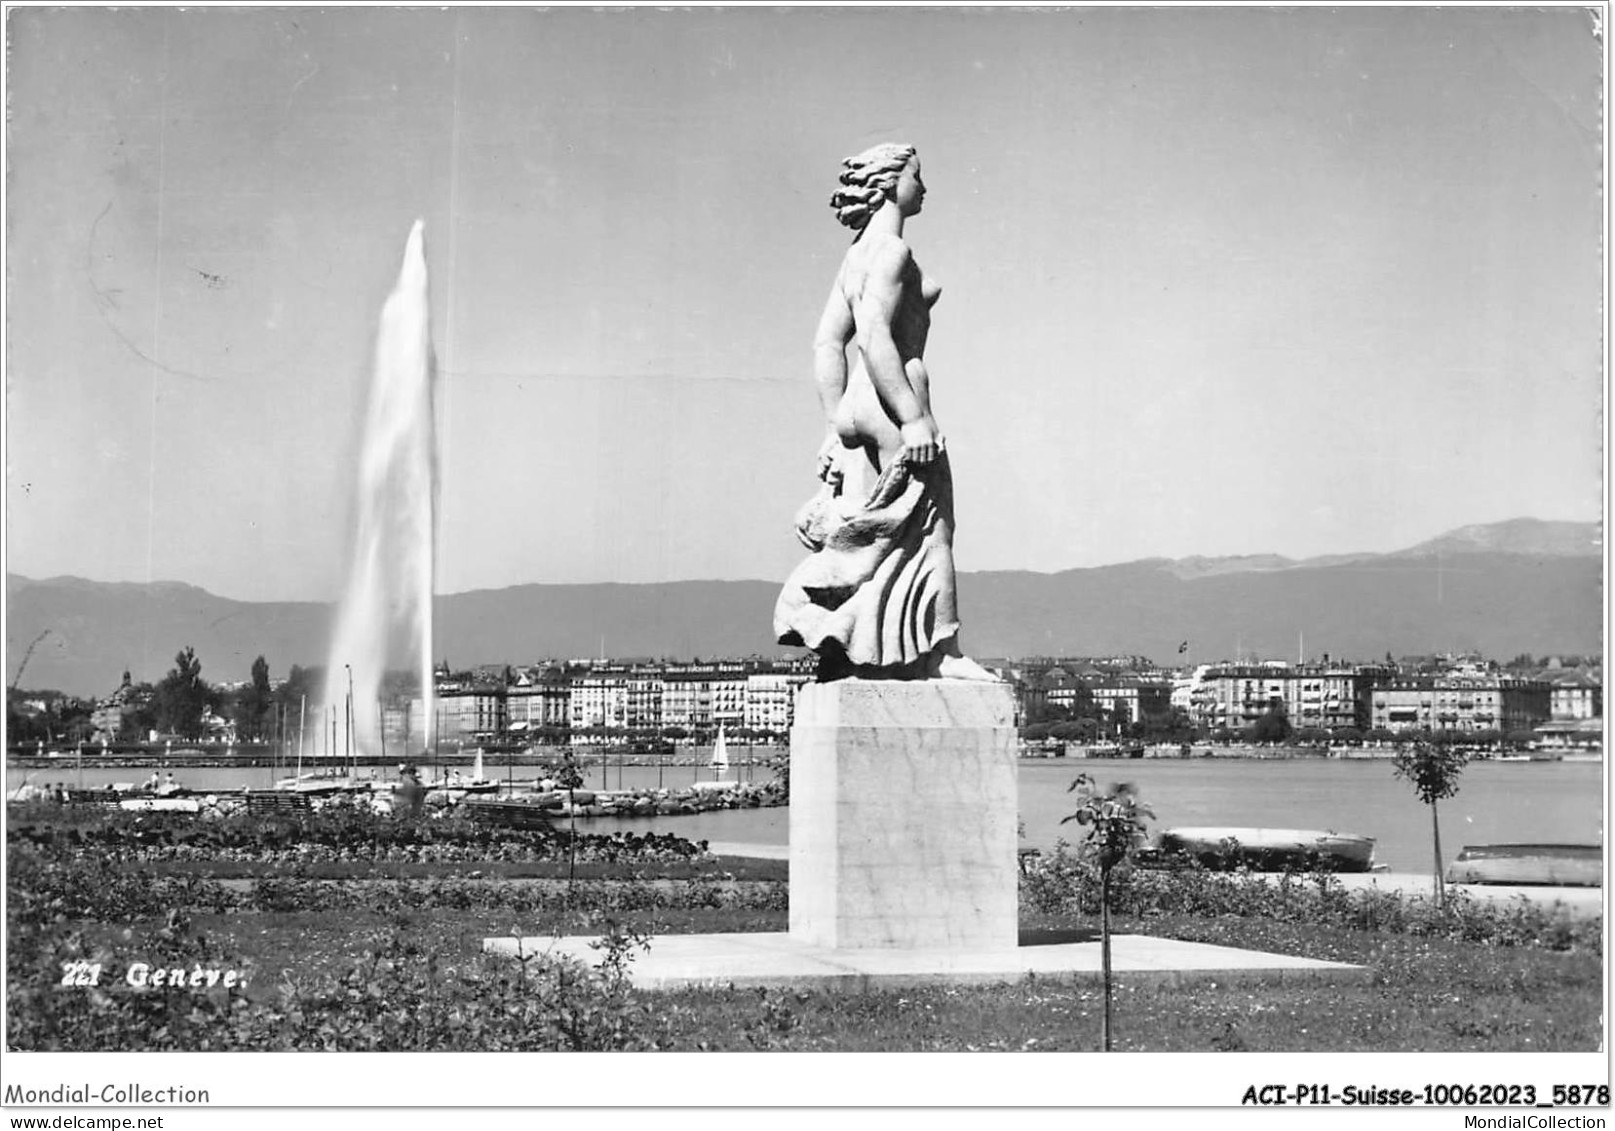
(332, 835)
(397, 995)
(1063, 882)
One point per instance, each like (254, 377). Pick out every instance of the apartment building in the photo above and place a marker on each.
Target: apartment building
(1466, 701)
(771, 690)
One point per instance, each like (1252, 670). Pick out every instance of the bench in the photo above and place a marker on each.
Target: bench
(277, 803)
(509, 814)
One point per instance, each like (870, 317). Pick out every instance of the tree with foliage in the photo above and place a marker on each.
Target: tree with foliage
(182, 696)
(1433, 769)
(1274, 726)
(1171, 725)
(781, 765)
(24, 721)
(1074, 730)
(139, 720)
(254, 704)
(1115, 820)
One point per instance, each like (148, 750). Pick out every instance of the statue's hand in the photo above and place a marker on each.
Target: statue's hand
(922, 443)
(828, 468)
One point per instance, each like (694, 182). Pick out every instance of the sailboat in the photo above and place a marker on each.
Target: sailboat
(478, 782)
(720, 757)
(720, 766)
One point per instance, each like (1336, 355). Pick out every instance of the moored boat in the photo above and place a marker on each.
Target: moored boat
(1568, 865)
(720, 781)
(1268, 849)
(314, 784)
(149, 804)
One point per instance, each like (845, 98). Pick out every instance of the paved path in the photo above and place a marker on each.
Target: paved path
(1579, 901)
(755, 851)
(776, 959)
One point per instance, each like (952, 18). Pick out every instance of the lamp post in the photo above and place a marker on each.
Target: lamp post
(348, 743)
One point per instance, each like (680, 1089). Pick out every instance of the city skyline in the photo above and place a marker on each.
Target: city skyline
(1216, 283)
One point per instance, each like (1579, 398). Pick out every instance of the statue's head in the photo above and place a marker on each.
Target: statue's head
(870, 179)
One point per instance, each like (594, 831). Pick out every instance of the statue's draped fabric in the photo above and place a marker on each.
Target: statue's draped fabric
(880, 582)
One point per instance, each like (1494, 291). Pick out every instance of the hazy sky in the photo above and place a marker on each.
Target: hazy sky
(1215, 281)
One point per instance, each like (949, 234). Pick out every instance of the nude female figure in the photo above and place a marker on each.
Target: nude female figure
(878, 597)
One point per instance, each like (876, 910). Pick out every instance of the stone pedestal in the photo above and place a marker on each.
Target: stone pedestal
(903, 815)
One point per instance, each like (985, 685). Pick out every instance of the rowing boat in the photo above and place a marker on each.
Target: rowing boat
(1268, 849)
(1570, 865)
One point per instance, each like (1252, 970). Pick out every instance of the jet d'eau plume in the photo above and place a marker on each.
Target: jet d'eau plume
(386, 608)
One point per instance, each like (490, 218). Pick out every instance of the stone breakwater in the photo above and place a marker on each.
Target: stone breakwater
(542, 800)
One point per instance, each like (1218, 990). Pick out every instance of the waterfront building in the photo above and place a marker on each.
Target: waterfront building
(110, 715)
(1324, 695)
(539, 698)
(466, 711)
(729, 683)
(1467, 700)
(700, 696)
(599, 698)
(643, 705)
(1064, 692)
(771, 689)
(1237, 695)
(1128, 699)
(1574, 694)
(1331, 696)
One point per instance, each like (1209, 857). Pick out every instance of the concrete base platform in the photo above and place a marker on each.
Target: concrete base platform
(778, 960)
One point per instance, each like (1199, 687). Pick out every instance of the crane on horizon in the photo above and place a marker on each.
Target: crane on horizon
(16, 679)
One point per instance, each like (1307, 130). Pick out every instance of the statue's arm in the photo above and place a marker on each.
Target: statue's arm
(907, 401)
(830, 350)
(830, 370)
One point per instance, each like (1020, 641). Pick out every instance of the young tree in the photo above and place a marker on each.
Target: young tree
(1115, 820)
(1433, 770)
(569, 777)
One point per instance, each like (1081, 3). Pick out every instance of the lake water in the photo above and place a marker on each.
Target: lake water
(1497, 801)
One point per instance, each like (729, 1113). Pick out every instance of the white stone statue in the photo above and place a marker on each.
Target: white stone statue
(877, 597)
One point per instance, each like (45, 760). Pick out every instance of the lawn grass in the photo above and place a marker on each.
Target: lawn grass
(1424, 994)
(351, 952)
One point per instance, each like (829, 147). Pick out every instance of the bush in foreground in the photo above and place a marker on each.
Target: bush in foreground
(1067, 883)
(397, 995)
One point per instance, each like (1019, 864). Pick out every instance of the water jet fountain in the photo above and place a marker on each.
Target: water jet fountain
(386, 606)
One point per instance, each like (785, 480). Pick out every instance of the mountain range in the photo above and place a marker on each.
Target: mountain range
(1525, 585)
